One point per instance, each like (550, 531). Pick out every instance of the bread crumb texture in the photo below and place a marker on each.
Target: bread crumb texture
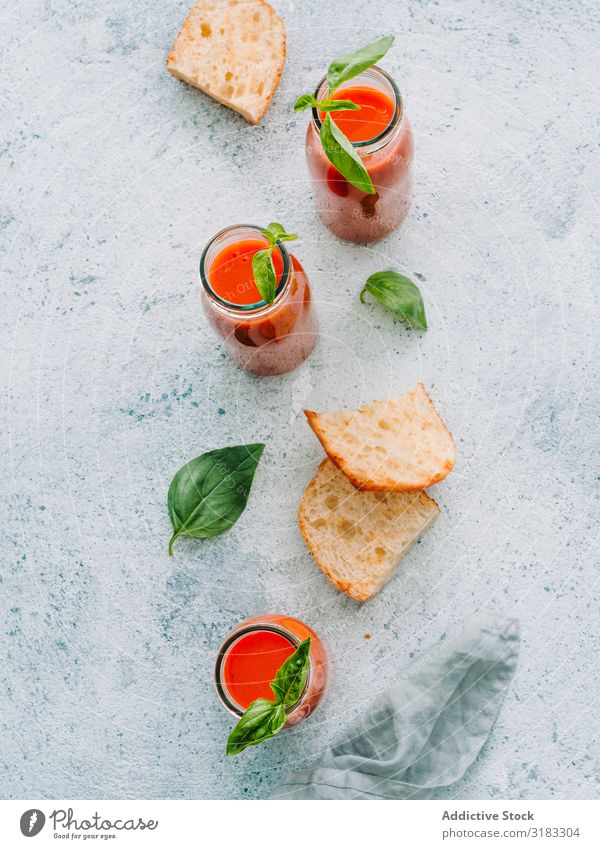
(234, 51)
(358, 538)
(400, 444)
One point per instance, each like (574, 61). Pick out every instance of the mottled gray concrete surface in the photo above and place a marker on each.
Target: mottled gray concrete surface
(113, 176)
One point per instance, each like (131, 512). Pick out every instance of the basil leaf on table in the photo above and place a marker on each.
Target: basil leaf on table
(288, 684)
(342, 155)
(261, 721)
(398, 294)
(209, 494)
(263, 718)
(264, 275)
(346, 67)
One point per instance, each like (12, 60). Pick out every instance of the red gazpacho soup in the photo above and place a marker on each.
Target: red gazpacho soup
(249, 658)
(374, 116)
(381, 135)
(265, 339)
(230, 272)
(252, 663)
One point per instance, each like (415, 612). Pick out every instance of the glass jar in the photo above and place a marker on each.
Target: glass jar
(265, 339)
(280, 632)
(348, 212)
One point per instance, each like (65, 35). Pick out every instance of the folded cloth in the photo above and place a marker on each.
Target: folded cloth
(424, 732)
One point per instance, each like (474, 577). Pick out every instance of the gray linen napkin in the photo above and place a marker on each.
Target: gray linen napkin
(423, 733)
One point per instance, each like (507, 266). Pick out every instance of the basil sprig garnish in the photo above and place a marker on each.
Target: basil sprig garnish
(344, 68)
(263, 718)
(338, 149)
(209, 494)
(262, 261)
(290, 679)
(309, 101)
(398, 294)
(261, 721)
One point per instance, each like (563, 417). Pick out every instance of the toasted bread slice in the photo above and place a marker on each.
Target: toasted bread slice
(399, 445)
(234, 51)
(358, 538)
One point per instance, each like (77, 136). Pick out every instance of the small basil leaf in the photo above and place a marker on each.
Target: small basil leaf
(263, 719)
(345, 67)
(209, 494)
(336, 105)
(305, 101)
(276, 232)
(398, 294)
(342, 155)
(290, 680)
(264, 275)
(273, 231)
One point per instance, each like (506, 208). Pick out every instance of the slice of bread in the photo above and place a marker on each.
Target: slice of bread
(358, 538)
(399, 445)
(234, 51)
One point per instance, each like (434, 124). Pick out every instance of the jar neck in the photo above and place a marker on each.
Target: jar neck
(227, 646)
(374, 77)
(231, 235)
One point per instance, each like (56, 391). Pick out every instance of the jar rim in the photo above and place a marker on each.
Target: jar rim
(230, 305)
(394, 120)
(235, 635)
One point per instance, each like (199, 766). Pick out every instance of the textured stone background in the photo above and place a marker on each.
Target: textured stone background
(113, 176)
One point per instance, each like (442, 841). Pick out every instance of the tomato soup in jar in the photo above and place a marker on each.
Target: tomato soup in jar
(381, 135)
(265, 339)
(249, 658)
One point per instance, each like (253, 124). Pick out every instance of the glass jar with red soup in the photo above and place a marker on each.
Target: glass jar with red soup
(251, 655)
(380, 133)
(265, 339)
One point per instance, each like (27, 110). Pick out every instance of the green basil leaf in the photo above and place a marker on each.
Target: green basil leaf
(276, 232)
(209, 494)
(264, 275)
(398, 294)
(336, 105)
(305, 101)
(342, 155)
(262, 720)
(345, 67)
(290, 680)
(273, 231)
